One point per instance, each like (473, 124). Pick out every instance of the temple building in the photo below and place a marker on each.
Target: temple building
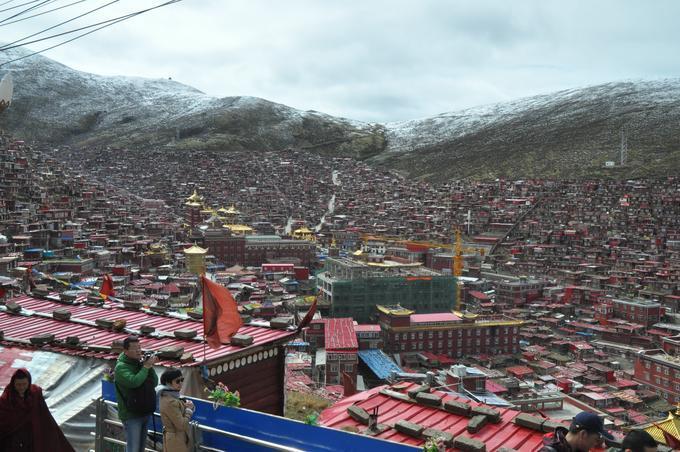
(665, 432)
(195, 259)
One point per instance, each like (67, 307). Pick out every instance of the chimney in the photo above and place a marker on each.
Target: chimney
(348, 384)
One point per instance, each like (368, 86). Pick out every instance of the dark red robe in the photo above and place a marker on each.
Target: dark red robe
(27, 420)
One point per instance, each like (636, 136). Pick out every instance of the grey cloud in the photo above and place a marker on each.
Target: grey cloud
(386, 60)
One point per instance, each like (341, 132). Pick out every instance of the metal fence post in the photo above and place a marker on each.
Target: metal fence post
(99, 426)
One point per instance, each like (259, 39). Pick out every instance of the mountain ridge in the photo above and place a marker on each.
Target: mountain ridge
(569, 133)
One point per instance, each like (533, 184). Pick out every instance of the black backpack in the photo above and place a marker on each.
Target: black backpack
(142, 399)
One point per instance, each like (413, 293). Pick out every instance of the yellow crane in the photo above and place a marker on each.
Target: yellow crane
(457, 266)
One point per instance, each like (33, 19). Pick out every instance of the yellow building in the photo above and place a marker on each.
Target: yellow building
(671, 426)
(239, 229)
(304, 233)
(195, 259)
(195, 200)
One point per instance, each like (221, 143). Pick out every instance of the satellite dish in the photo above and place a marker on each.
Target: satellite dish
(6, 88)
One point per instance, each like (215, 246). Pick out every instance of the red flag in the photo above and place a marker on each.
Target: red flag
(671, 441)
(308, 317)
(221, 319)
(107, 287)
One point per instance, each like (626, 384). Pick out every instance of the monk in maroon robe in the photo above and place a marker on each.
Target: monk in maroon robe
(26, 423)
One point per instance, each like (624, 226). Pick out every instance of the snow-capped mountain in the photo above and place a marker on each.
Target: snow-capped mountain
(54, 103)
(570, 133)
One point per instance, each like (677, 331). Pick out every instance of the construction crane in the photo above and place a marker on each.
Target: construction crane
(457, 266)
(401, 241)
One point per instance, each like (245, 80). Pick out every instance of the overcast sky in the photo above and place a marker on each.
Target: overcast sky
(374, 60)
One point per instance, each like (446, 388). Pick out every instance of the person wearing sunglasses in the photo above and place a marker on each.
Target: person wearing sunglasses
(175, 412)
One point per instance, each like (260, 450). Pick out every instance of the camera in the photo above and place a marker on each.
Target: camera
(148, 355)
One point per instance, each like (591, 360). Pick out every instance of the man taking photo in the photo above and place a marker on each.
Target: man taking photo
(135, 382)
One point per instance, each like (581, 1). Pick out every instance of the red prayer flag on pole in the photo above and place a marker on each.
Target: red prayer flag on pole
(671, 441)
(308, 317)
(221, 319)
(107, 287)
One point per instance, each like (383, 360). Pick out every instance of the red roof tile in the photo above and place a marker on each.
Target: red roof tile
(391, 410)
(437, 317)
(23, 327)
(339, 335)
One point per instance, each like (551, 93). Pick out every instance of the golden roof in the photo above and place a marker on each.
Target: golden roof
(394, 310)
(238, 227)
(303, 230)
(195, 197)
(195, 249)
(232, 210)
(192, 204)
(671, 426)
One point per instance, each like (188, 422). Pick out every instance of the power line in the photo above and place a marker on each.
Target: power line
(17, 6)
(40, 14)
(115, 19)
(106, 24)
(20, 13)
(9, 46)
(4, 3)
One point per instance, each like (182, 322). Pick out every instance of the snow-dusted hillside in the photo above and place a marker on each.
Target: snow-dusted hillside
(408, 136)
(570, 133)
(56, 103)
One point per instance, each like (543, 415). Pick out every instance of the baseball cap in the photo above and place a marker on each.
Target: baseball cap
(591, 423)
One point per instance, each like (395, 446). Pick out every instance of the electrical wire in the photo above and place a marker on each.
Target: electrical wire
(75, 30)
(40, 14)
(17, 6)
(5, 3)
(11, 44)
(20, 13)
(106, 24)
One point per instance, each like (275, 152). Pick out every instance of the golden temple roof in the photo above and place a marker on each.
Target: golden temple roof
(232, 210)
(238, 227)
(195, 249)
(671, 426)
(394, 310)
(303, 230)
(195, 197)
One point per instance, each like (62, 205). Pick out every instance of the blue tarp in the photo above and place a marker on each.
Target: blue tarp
(272, 428)
(379, 363)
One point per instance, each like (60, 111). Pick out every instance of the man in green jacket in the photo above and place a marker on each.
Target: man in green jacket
(135, 382)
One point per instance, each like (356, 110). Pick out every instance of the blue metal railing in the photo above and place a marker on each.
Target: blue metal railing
(239, 429)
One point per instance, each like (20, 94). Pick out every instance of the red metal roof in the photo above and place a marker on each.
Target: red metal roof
(437, 317)
(367, 328)
(81, 324)
(519, 370)
(390, 410)
(479, 295)
(339, 335)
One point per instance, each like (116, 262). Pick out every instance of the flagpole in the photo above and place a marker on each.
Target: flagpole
(205, 340)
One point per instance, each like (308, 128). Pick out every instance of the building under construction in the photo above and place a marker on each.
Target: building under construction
(354, 288)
